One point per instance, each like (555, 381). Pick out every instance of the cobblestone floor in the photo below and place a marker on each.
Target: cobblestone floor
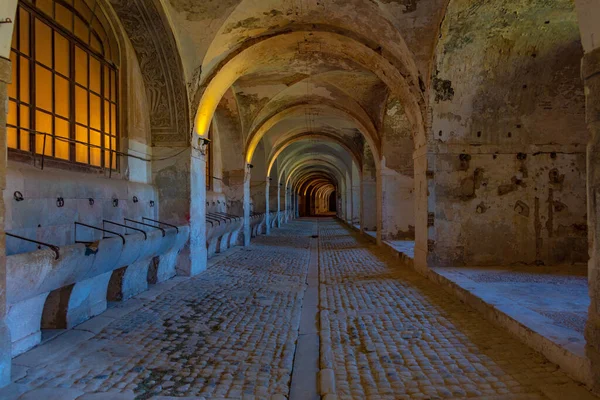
(231, 333)
(388, 333)
(228, 333)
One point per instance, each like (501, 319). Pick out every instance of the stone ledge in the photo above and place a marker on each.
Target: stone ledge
(570, 358)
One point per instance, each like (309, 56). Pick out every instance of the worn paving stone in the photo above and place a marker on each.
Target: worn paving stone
(228, 333)
(232, 332)
(392, 334)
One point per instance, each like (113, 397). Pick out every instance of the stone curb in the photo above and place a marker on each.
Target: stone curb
(326, 382)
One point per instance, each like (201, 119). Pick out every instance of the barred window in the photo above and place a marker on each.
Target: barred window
(63, 96)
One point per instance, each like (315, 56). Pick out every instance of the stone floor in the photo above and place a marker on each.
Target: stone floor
(560, 294)
(394, 334)
(552, 301)
(231, 333)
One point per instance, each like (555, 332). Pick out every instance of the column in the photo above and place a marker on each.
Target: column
(591, 77)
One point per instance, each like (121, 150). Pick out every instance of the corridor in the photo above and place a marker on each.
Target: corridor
(231, 333)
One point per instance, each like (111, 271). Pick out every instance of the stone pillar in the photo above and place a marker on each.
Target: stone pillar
(379, 205)
(268, 206)
(198, 251)
(424, 201)
(181, 185)
(279, 205)
(5, 343)
(355, 217)
(348, 200)
(368, 203)
(247, 228)
(591, 77)
(287, 204)
(397, 219)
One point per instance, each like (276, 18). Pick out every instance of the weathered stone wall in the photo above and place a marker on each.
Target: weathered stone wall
(508, 135)
(508, 209)
(5, 343)
(368, 198)
(258, 186)
(86, 199)
(356, 190)
(397, 175)
(135, 122)
(589, 15)
(227, 137)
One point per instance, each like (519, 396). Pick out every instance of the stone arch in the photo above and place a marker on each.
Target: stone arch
(252, 58)
(152, 38)
(302, 135)
(366, 128)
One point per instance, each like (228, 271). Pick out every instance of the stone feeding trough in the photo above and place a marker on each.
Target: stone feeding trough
(46, 292)
(222, 231)
(257, 224)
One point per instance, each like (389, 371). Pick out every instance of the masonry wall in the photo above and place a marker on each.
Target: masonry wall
(494, 209)
(258, 185)
(397, 175)
(87, 199)
(368, 199)
(5, 342)
(589, 15)
(508, 136)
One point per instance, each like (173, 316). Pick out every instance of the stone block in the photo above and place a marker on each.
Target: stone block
(52, 394)
(23, 321)
(87, 299)
(326, 382)
(107, 396)
(45, 353)
(96, 324)
(5, 354)
(166, 266)
(128, 281)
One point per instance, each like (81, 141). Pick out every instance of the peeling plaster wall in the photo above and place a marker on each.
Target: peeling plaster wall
(368, 193)
(398, 214)
(398, 217)
(258, 185)
(418, 22)
(171, 175)
(511, 211)
(356, 190)
(137, 120)
(508, 124)
(228, 134)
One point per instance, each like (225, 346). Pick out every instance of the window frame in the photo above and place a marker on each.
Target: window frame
(108, 71)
